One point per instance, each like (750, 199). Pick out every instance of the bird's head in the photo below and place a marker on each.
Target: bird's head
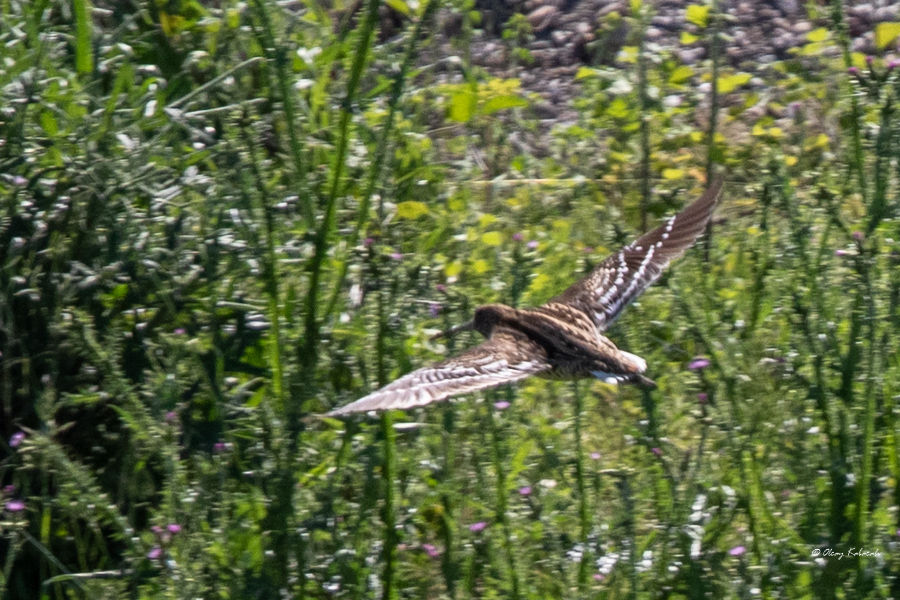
(488, 316)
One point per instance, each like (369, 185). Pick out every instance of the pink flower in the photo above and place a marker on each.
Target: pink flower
(16, 439)
(853, 70)
(479, 526)
(595, 456)
(434, 309)
(518, 236)
(525, 490)
(173, 527)
(698, 363)
(702, 398)
(441, 288)
(154, 553)
(15, 506)
(219, 447)
(656, 451)
(737, 551)
(179, 331)
(171, 416)
(532, 244)
(397, 256)
(430, 550)
(502, 405)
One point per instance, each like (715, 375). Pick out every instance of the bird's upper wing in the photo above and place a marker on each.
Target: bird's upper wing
(507, 356)
(622, 276)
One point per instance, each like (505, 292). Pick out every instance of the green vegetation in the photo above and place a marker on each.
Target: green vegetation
(217, 219)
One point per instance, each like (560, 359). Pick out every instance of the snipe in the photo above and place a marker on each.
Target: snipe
(561, 339)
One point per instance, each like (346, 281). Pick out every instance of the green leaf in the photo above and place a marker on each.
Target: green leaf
(400, 6)
(732, 82)
(886, 33)
(84, 51)
(462, 105)
(697, 14)
(411, 210)
(492, 238)
(817, 35)
(585, 73)
(681, 74)
(503, 102)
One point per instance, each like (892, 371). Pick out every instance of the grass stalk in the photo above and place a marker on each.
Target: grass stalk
(498, 452)
(375, 171)
(714, 55)
(278, 54)
(583, 513)
(856, 157)
(389, 510)
(641, 13)
(321, 245)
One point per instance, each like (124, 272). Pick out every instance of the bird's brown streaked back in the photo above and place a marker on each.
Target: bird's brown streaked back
(561, 339)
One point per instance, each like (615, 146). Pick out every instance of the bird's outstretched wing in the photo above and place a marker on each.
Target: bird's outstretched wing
(622, 276)
(507, 356)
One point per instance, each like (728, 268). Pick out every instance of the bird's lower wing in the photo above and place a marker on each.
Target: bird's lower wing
(621, 277)
(506, 357)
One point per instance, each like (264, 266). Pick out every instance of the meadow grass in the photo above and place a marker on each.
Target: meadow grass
(218, 222)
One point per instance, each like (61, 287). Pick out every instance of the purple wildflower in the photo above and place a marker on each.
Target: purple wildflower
(434, 309)
(525, 490)
(369, 241)
(599, 577)
(173, 527)
(698, 363)
(869, 60)
(441, 288)
(154, 553)
(857, 236)
(702, 398)
(533, 244)
(840, 252)
(19, 180)
(479, 526)
(518, 236)
(595, 456)
(430, 550)
(893, 64)
(171, 416)
(15, 506)
(219, 447)
(853, 70)
(737, 551)
(179, 331)
(656, 451)
(9, 490)
(397, 256)
(16, 439)
(502, 405)
(157, 529)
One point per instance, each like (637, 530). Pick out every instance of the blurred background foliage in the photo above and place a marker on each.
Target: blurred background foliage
(220, 218)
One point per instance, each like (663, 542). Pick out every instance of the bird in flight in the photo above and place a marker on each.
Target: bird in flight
(563, 339)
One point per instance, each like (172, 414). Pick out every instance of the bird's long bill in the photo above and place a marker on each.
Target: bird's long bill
(454, 330)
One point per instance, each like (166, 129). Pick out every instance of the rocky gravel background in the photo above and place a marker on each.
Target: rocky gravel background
(569, 34)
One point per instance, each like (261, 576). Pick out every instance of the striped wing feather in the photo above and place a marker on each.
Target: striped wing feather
(621, 277)
(505, 357)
